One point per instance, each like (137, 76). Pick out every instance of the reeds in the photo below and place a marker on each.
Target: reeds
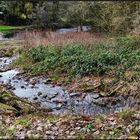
(36, 38)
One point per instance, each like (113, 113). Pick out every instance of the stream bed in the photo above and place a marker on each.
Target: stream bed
(55, 97)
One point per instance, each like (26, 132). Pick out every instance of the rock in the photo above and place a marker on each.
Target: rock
(102, 94)
(29, 133)
(20, 134)
(31, 86)
(113, 102)
(0, 75)
(47, 81)
(59, 101)
(59, 105)
(39, 93)
(77, 128)
(15, 81)
(72, 133)
(18, 78)
(27, 78)
(45, 96)
(39, 128)
(99, 102)
(17, 107)
(9, 87)
(49, 132)
(88, 98)
(74, 94)
(13, 88)
(22, 87)
(59, 84)
(95, 96)
(35, 98)
(33, 82)
(26, 83)
(53, 95)
(66, 92)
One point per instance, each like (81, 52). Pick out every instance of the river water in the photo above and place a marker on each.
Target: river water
(76, 29)
(13, 35)
(1, 36)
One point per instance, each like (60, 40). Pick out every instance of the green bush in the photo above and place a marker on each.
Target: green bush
(76, 59)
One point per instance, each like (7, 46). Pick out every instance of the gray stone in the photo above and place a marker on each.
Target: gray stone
(74, 94)
(95, 96)
(39, 93)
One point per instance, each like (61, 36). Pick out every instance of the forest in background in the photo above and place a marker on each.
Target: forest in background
(106, 17)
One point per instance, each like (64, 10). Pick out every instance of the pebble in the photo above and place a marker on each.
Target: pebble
(15, 81)
(29, 133)
(47, 81)
(95, 96)
(55, 128)
(59, 101)
(45, 96)
(22, 87)
(74, 94)
(13, 88)
(72, 133)
(39, 128)
(59, 105)
(100, 102)
(53, 95)
(49, 132)
(35, 98)
(77, 128)
(27, 78)
(39, 93)
(33, 82)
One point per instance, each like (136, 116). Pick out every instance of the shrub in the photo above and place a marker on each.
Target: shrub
(80, 59)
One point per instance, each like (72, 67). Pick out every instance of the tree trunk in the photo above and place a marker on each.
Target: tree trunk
(81, 26)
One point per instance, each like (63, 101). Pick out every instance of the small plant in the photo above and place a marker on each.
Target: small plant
(72, 59)
(126, 114)
(22, 121)
(90, 126)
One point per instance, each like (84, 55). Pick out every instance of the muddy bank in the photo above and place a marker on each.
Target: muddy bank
(38, 89)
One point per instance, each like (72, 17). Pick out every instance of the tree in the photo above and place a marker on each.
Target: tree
(16, 12)
(78, 13)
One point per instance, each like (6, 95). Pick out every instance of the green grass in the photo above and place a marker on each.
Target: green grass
(5, 28)
(78, 59)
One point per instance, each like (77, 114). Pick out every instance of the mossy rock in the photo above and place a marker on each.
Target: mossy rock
(6, 109)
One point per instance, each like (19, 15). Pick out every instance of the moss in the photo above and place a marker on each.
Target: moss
(7, 107)
(10, 47)
(126, 114)
(22, 121)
